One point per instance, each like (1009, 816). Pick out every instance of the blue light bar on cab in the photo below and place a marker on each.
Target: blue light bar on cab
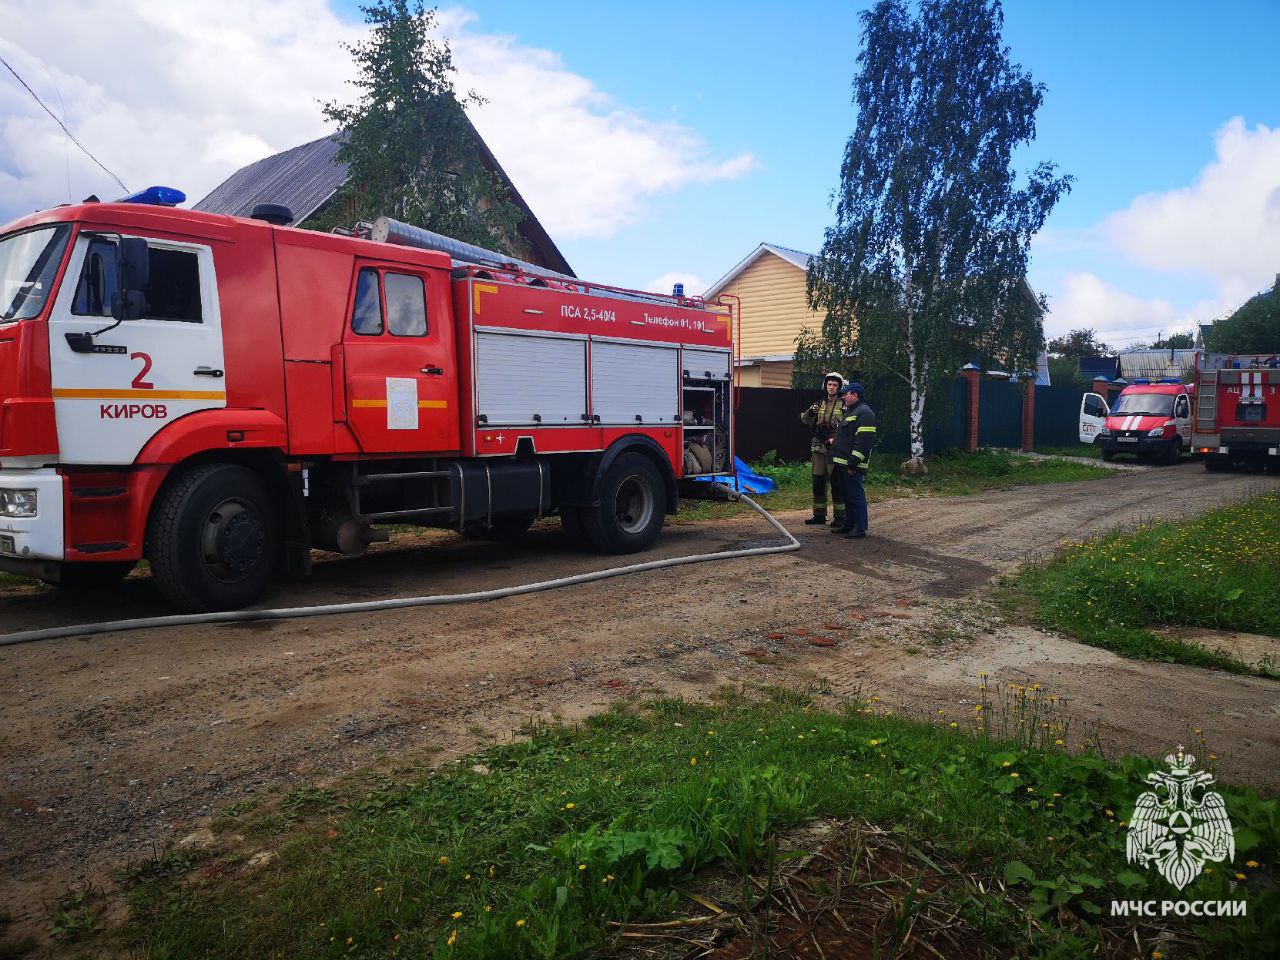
(157, 196)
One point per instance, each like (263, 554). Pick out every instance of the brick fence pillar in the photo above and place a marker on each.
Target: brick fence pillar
(1029, 416)
(974, 375)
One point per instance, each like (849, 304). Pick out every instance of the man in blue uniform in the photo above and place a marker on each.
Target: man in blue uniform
(851, 454)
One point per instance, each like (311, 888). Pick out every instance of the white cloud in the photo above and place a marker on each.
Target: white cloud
(1225, 225)
(183, 93)
(1086, 302)
(586, 163)
(1121, 319)
(1223, 229)
(694, 285)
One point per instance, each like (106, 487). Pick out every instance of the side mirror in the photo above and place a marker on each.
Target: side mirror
(133, 270)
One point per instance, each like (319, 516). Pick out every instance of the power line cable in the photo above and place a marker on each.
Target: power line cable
(58, 121)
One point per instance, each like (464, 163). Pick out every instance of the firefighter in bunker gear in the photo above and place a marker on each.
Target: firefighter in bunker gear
(851, 454)
(822, 419)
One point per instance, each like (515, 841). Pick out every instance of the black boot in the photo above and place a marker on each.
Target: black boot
(838, 521)
(818, 519)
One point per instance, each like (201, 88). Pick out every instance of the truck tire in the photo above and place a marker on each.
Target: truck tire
(1174, 454)
(630, 514)
(1217, 464)
(213, 539)
(1108, 455)
(93, 576)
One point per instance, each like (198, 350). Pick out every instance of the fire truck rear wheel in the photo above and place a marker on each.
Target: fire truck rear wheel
(630, 515)
(213, 541)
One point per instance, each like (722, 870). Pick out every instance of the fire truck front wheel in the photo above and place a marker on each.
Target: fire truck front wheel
(630, 514)
(213, 539)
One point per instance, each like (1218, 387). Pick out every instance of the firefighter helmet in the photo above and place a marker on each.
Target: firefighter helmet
(833, 376)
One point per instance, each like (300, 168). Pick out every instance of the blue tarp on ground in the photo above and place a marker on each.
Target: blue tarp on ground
(748, 481)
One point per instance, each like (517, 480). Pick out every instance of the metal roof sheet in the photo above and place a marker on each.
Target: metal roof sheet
(302, 179)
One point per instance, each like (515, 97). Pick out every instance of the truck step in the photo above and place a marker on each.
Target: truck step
(364, 479)
(405, 514)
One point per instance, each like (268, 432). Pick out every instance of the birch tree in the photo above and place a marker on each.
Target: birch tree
(928, 253)
(413, 155)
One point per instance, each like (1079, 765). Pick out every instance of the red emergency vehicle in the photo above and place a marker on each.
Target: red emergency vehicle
(1237, 410)
(1150, 418)
(221, 395)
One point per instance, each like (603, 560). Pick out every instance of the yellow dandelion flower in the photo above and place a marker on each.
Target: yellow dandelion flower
(1251, 864)
(1014, 774)
(568, 806)
(457, 914)
(693, 761)
(444, 861)
(581, 867)
(953, 724)
(520, 922)
(1111, 813)
(453, 938)
(488, 908)
(1241, 876)
(1007, 763)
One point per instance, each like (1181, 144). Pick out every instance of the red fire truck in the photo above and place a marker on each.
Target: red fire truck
(223, 395)
(1237, 410)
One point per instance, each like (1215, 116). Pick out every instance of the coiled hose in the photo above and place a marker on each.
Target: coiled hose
(369, 606)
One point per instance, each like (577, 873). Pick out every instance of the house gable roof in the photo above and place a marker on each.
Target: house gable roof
(797, 258)
(306, 178)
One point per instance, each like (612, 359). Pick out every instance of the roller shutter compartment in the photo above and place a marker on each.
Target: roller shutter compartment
(524, 380)
(634, 383)
(702, 364)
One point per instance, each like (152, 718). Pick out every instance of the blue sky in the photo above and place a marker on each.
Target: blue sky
(1135, 94)
(671, 138)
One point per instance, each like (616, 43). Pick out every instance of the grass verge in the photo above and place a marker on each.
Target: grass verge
(951, 473)
(1220, 571)
(1086, 450)
(535, 848)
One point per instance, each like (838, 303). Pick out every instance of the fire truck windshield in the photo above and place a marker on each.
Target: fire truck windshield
(1144, 404)
(29, 262)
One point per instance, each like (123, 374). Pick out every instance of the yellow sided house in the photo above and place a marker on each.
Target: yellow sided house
(770, 282)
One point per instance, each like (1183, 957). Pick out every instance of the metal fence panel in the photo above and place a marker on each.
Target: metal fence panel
(999, 414)
(1057, 416)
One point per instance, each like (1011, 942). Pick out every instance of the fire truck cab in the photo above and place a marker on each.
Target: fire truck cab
(1151, 419)
(221, 395)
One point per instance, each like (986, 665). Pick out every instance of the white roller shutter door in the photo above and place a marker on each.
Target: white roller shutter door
(630, 381)
(518, 377)
(698, 363)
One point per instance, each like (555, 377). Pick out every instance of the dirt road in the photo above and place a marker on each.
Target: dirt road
(114, 745)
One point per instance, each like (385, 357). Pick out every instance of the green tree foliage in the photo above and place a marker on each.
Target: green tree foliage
(929, 247)
(1175, 341)
(1254, 328)
(1076, 344)
(413, 154)
(1065, 353)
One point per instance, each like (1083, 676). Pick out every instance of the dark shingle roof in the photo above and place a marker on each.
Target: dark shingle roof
(302, 179)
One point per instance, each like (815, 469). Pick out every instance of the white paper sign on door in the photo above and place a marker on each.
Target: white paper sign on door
(402, 403)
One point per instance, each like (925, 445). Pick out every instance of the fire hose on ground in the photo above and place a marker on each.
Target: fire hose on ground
(400, 603)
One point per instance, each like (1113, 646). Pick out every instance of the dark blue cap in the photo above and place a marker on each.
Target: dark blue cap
(853, 387)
